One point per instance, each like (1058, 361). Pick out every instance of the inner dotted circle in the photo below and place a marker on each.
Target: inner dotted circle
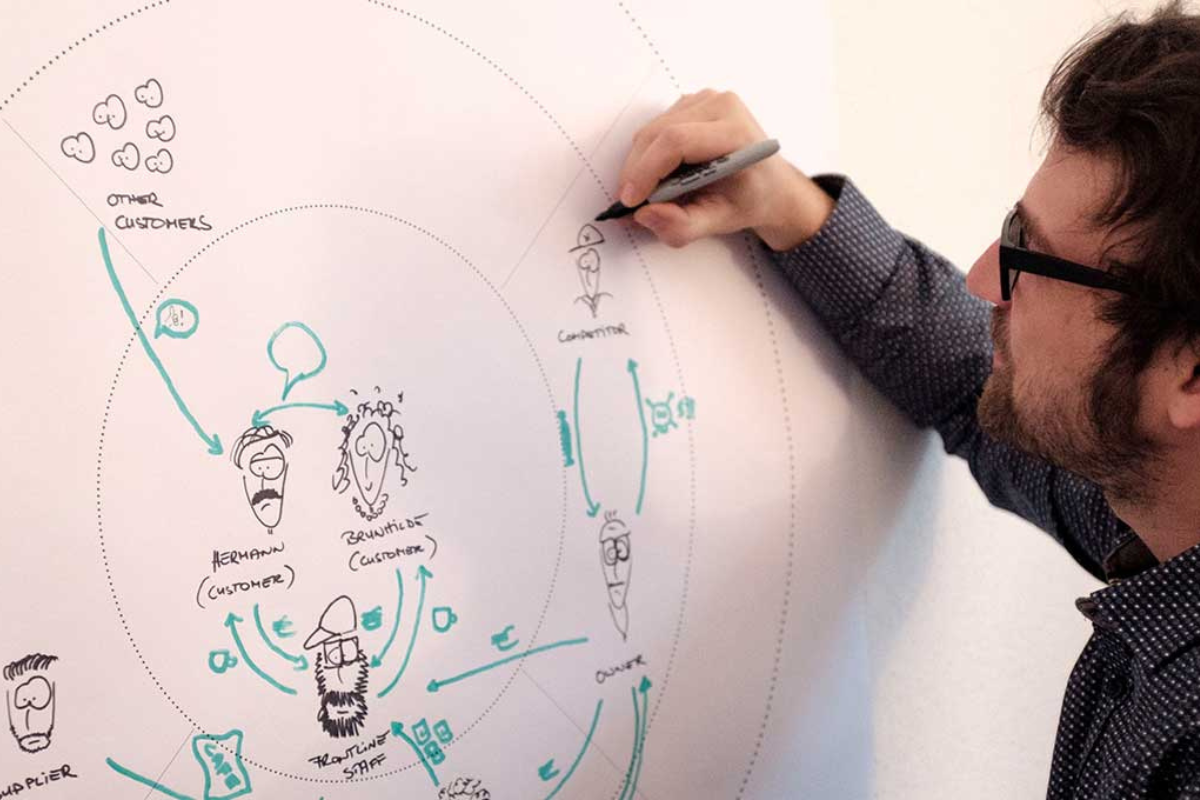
(143, 321)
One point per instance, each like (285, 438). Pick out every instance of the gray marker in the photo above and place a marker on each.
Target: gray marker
(690, 177)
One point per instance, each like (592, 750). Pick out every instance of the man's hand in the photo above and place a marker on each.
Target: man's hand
(779, 202)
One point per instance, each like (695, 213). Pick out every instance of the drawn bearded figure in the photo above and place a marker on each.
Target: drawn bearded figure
(372, 439)
(341, 670)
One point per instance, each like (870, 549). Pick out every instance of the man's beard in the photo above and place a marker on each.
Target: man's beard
(1095, 436)
(339, 725)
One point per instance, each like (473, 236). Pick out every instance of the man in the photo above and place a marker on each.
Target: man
(340, 669)
(615, 555)
(259, 454)
(1081, 410)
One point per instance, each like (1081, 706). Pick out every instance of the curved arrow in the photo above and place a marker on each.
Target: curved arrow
(214, 441)
(231, 622)
(300, 661)
(423, 574)
(592, 507)
(640, 719)
(378, 660)
(632, 367)
(154, 785)
(259, 418)
(435, 684)
(398, 730)
(578, 758)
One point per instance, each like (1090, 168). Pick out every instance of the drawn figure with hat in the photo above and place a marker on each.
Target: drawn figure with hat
(341, 669)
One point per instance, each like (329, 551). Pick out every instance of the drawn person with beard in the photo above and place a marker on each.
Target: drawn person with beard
(259, 454)
(341, 670)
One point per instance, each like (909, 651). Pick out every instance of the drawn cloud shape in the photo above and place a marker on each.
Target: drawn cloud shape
(110, 112)
(79, 147)
(160, 162)
(149, 94)
(127, 157)
(162, 129)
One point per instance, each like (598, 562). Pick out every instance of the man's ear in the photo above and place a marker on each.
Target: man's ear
(1183, 402)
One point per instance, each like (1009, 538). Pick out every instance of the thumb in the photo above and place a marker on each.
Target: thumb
(679, 224)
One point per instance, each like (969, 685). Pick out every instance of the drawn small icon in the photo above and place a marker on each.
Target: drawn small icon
(29, 696)
(615, 557)
(587, 264)
(111, 112)
(260, 454)
(501, 641)
(341, 670)
(149, 94)
(373, 619)
(162, 128)
(661, 415)
(160, 162)
(128, 157)
(79, 147)
(372, 439)
(443, 618)
(464, 789)
(221, 661)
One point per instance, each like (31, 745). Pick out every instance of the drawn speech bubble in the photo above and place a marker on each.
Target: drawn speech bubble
(297, 352)
(176, 318)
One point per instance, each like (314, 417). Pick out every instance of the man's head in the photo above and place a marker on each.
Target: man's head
(29, 696)
(341, 669)
(615, 554)
(259, 454)
(1101, 382)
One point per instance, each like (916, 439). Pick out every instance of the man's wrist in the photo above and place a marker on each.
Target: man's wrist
(800, 213)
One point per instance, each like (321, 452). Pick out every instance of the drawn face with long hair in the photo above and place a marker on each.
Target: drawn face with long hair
(372, 439)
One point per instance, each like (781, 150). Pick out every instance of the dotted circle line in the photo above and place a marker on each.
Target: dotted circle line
(78, 43)
(752, 249)
(144, 319)
(664, 680)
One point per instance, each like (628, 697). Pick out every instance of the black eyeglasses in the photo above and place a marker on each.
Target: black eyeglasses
(1015, 259)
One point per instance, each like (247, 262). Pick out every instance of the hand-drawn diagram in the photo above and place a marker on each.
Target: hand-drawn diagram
(29, 695)
(372, 439)
(615, 555)
(341, 670)
(405, 296)
(260, 453)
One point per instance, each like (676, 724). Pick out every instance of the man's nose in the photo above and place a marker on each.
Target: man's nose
(983, 280)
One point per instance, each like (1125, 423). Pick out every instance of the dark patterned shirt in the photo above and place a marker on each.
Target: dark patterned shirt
(1130, 722)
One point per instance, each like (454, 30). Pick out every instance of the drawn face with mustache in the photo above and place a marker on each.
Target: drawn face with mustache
(259, 453)
(342, 687)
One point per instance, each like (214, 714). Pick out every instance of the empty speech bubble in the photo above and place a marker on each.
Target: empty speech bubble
(297, 352)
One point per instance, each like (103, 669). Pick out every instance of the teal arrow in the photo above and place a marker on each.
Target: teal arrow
(300, 661)
(214, 441)
(231, 622)
(640, 719)
(424, 575)
(435, 684)
(154, 785)
(586, 743)
(398, 731)
(377, 661)
(637, 390)
(259, 418)
(592, 508)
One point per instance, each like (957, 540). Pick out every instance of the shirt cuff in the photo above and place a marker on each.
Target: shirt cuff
(845, 267)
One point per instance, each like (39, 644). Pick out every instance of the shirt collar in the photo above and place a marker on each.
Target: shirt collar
(1156, 609)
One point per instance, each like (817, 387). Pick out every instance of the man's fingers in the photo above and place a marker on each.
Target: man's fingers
(703, 106)
(680, 224)
(688, 142)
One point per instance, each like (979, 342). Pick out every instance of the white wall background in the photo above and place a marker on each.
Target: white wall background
(972, 625)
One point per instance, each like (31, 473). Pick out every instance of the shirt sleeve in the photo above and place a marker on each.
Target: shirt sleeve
(903, 315)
